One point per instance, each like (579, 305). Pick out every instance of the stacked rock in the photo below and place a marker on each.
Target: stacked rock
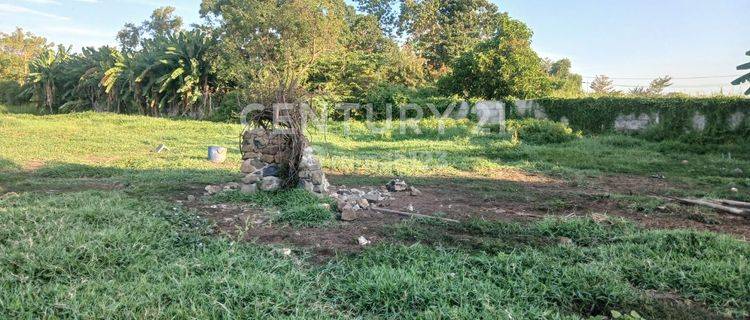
(311, 176)
(266, 155)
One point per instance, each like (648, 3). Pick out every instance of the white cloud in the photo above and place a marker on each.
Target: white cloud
(12, 9)
(86, 1)
(43, 1)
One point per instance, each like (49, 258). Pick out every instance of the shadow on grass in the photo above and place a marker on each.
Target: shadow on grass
(76, 177)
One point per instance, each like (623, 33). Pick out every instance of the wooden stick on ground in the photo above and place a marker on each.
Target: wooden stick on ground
(731, 210)
(733, 203)
(409, 214)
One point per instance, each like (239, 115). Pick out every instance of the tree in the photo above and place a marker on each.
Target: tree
(504, 66)
(17, 49)
(602, 85)
(44, 72)
(655, 88)
(744, 78)
(382, 11)
(129, 37)
(163, 22)
(268, 47)
(564, 82)
(440, 30)
(188, 74)
(364, 34)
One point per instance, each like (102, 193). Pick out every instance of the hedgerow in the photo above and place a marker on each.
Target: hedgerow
(598, 114)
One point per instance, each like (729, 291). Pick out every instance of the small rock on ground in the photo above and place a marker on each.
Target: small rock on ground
(396, 185)
(363, 241)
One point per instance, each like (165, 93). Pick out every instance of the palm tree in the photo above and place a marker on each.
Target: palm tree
(745, 78)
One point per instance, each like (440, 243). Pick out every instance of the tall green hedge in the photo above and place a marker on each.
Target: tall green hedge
(598, 114)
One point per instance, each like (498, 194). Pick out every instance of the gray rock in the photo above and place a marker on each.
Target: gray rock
(213, 189)
(317, 177)
(396, 185)
(231, 186)
(348, 213)
(307, 151)
(270, 183)
(251, 178)
(190, 198)
(271, 170)
(363, 203)
(737, 171)
(249, 188)
(308, 186)
(363, 241)
(248, 166)
(321, 188)
(414, 191)
(257, 163)
(373, 196)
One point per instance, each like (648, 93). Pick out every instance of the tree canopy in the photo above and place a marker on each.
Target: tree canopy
(383, 51)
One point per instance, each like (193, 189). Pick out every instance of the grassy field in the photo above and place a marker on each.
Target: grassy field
(89, 229)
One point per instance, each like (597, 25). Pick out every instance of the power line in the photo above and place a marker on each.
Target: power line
(680, 78)
(675, 87)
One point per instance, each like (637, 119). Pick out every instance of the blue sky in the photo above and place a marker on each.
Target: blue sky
(622, 39)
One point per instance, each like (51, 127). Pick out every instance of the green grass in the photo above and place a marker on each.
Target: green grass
(295, 207)
(92, 232)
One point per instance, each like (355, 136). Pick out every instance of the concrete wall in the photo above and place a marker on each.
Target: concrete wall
(633, 122)
(494, 113)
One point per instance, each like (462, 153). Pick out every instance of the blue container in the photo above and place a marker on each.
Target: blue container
(217, 154)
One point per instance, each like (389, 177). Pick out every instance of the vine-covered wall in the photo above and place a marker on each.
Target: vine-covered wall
(704, 119)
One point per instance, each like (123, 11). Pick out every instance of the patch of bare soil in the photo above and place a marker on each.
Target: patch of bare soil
(463, 199)
(251, 223)
(33, 165)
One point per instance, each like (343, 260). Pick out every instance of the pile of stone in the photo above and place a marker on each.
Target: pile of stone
(266, 156)
(350, 201)
(310, 172)
(398, 185)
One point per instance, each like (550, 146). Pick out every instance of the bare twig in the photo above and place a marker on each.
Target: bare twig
(409, 214)
(716, 206)
(733, 203)
(524, 214)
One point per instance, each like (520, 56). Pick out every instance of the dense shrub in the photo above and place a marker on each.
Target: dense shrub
(598, 114)
(541, 131)
(12, 93)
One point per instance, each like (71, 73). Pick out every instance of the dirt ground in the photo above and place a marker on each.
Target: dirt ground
(521, 199)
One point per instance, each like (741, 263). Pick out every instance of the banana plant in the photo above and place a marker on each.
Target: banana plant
(44, 75)
(185, 74)
(746, 77)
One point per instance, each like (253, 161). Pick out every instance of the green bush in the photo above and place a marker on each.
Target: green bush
(541, 131)
(12, 93)
(598, 114)
(228, 109)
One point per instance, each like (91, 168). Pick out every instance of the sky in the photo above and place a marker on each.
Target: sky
(621, 39)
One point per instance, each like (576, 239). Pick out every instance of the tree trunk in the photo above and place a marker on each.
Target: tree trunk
(49, 96)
